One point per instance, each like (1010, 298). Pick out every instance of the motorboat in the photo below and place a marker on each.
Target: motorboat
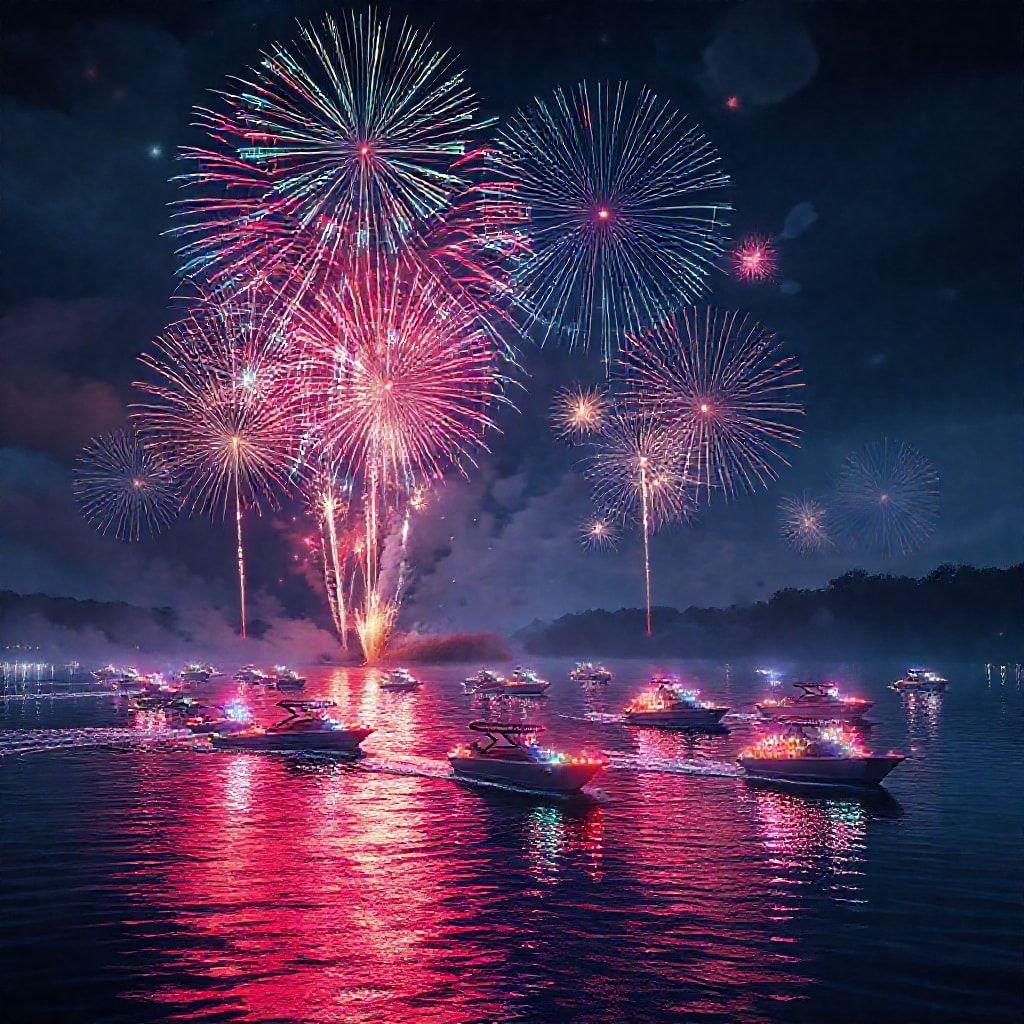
(252, 674)
(224, 719)
(669, 705)
(588, 672)
(307, 726)
(920, 680)
(524, 682)
(770, 675)
(197, 673)
(287, 678)
(166, 699)
(117, 677)
(486, 681)
(506, 754)
(828, 755)
(816, 702)
(400, 679)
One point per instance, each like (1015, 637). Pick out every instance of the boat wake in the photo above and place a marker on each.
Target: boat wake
(18, 742)
(73, 695)
(672, 766)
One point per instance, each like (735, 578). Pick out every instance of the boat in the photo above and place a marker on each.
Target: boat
(816, 702)
(507, 755)
(400, 679)
(827, 755)
(671, 706)
(251, 674)
(225, 719)
(197, 673)
(920, 680)
(524, 682)
(287, 679)
(165, 699)
(587, 672)
(115, 676)
(486, 681)
(307, 726)
(770, 675)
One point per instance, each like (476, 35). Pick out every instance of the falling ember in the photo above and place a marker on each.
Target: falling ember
(755, 259)
(579, 411)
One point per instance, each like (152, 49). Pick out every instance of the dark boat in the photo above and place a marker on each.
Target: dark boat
(507, 756)
(307, 726)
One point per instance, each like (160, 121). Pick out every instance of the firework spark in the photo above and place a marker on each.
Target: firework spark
(626, 205)
(725, 384)
(637, 475)
(123, 487)
(342, 139)
(219, 409)
(888, 497)
(578, 411)
(755, 259)
(599, 534)
(804, 524)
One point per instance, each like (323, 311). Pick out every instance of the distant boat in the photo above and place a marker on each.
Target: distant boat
(669, 705)
(400, 679)
(920, 680)
(587, 672)
(817, 702)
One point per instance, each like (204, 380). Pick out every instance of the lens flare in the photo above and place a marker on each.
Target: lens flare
(626, 204)
(887, 498)
(804, 523)
(725, 384)
(578, 411)
(122, 487)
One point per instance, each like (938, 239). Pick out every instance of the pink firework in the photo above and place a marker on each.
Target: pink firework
(755, 259)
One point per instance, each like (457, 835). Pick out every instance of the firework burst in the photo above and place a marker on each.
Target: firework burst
(578, 411)
(724, 383)
(626, 205)
(122, 487)
(599, 534)
(219, 409)
(804, 523)
(755, 259)
(888, 497)
(342, 139)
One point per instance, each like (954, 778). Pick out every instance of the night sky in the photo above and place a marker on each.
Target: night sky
(882, 141)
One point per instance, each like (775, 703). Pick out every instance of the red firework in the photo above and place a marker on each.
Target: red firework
(755, 259)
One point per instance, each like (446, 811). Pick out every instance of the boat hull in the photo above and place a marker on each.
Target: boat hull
(903, 686)
(835, 771)
(400, 687)
(677, 718)
(526, 775)
(338, 740)
(816, 712)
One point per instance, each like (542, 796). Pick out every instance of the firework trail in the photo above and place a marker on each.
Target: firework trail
(599, 534)
(219, 409)
(636, 471)
(578, 411)
(626, 204)
(327, 495)
(755, 259)
(887, 497)
(343, 139)
(724, 383)
(121, 486)
(804, 523)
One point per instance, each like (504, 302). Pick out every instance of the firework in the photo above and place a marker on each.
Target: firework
(341, 139)
(219, 410)
(375, 622)
(804, 524)
(122, 487)
(626, 204)
(578, 411)
(755, 259)
(888, 497)
(599, 534)
(637, 475)
(327, 495)
(724, 383)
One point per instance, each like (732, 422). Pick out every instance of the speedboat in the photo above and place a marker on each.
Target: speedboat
(671, 706)
(165, 699)
(197, 673)
(127, 676)
(307, 726)
(588, 672)
(816, 702)
(251, 674)
(920, 680)
(486, 681)
(287, 678)
(507, 755)
(524, 682)
(399, 679)
(230, 718)
(829, 755)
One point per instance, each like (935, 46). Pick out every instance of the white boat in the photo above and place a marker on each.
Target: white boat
(816, 702)
(524, 682)
(486, 681)
(400, 679)
(588, 672)
(197, 673)
(669, 705)
(251, 674)
(307, 726)
(920, 680)
(287, 679)
(114, 676)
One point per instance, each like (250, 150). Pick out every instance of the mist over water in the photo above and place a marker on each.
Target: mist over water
(149, 878)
